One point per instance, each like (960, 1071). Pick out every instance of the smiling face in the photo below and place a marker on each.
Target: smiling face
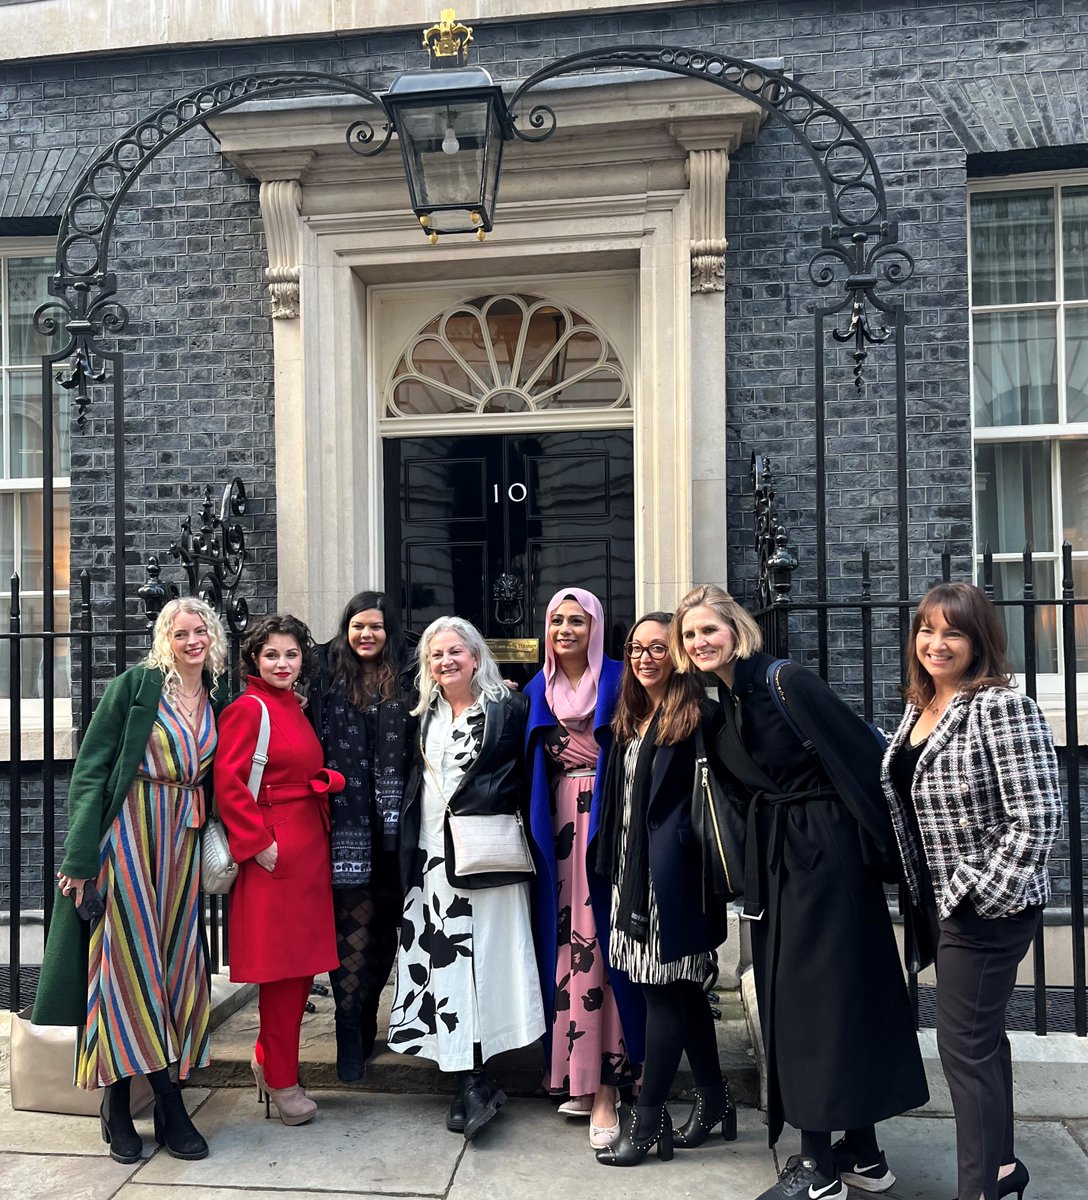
(280, 660)
(190, 640)
(366, 634)
(944, 651)
(648, 652)
(708, 640)
(568, 633)
(452, 664)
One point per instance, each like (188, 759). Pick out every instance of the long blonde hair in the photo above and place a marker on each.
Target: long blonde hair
(161, 655)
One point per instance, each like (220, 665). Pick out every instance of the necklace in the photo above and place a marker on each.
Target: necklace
(189, 711)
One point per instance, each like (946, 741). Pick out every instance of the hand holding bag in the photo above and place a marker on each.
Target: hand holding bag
(719, 819)
(218, 870)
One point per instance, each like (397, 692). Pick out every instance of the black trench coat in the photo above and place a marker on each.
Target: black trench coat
(841, 1047)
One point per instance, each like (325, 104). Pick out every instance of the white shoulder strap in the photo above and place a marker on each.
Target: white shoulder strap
(260, 755)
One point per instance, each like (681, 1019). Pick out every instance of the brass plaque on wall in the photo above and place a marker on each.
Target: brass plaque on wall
(515, 650)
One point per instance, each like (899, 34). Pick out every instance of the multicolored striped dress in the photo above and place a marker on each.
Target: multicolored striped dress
(147, 996)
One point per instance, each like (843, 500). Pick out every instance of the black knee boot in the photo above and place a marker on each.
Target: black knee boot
(118, 1131)
(173, 1127)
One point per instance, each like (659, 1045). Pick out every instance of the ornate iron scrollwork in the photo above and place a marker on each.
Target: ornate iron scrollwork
(860, 233)
(777, 561)
(508, 592)
(214, 558)
(84, 286)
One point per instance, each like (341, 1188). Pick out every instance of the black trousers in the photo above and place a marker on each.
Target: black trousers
(976, 966)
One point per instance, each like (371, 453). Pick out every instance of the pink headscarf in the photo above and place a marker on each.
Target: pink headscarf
(573, 705)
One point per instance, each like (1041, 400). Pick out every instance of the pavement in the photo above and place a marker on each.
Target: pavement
(388, 1139)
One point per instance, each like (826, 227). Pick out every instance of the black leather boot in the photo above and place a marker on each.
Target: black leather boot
(483, 1099)
(118, 1131)
(350, 1061)
(455, 1118)
(640, 1130)
(712, 1104)
(173, 1127)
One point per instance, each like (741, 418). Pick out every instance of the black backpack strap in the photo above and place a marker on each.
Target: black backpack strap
(774, 686)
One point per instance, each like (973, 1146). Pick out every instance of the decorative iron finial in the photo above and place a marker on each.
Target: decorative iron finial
(448, 40)
(215, 556)
(154, 592)
(777, 561)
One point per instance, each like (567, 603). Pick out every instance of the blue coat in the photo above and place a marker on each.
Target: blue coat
(545, 885)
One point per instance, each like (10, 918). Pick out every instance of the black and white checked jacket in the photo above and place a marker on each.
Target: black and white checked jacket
(986, 795)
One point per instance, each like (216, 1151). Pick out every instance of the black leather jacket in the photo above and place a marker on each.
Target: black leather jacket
(496, 782)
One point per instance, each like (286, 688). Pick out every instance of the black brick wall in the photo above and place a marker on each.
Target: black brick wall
(927, 84)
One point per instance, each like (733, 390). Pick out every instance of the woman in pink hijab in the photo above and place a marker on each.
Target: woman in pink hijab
(596, 1020)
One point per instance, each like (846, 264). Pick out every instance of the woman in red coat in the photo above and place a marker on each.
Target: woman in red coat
(281, 918)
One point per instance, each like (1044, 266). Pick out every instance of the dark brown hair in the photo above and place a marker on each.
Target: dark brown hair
(289, 626)
(382, 681)
(965, 608)
(679, 708)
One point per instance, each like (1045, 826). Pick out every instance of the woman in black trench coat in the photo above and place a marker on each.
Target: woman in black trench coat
(841, 1048)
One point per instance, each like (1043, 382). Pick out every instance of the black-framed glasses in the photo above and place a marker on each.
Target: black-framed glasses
(656, 650)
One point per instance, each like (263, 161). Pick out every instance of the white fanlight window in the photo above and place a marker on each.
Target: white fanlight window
(508, 353)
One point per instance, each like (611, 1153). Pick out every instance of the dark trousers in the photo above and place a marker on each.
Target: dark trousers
(976, 970)
(678, 1021)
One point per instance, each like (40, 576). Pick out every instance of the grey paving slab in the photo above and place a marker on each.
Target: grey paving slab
(47, 1133)
(47, 1176)
(531, 1152)
(364, 1142)
(1079, 1131)
(137, 1189)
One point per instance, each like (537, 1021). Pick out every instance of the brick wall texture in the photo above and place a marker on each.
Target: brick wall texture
(926, 84)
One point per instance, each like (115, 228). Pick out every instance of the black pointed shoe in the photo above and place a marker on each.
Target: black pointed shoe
(713, 1106)
(640, 1130)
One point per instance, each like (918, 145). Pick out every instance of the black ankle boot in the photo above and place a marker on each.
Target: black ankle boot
(640, 1130)
(173, 1127)
(482, 1100)
(350, 1061)
(456, 1117)
(712, 1104)
(118, 1131)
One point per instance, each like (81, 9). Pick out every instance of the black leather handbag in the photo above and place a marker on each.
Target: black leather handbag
(719, 819)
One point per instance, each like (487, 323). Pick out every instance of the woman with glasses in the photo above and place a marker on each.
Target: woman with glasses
(661, 935)
(840, 1045)
(571, 705)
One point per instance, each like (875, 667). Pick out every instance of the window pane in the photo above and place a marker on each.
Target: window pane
(1074, 474)
(1080, 590)
(1075, 242)
(1015, 369)
(1012, 497)
(1076, 364)
(27, 288)
(33, 655)
(30, 541)
(25, 448)
(7, 540)
(1012, 247)
(1009, 585)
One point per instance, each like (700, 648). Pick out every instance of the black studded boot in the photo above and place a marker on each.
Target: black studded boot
(712, 1105)
(640, 1130)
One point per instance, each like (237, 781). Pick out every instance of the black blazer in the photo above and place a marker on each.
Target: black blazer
(496, 782)
(675, 855)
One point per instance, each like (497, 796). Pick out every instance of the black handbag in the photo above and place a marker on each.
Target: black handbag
(719, 818)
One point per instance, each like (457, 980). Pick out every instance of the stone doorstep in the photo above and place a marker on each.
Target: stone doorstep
(518, 1071)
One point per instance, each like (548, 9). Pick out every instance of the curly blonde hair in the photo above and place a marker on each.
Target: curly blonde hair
(161, 655)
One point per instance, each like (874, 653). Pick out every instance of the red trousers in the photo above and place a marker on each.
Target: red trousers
(281, 1005)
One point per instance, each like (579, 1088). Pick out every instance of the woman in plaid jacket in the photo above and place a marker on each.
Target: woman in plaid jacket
(972, 782)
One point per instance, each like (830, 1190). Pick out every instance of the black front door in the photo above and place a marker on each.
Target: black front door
(474, 523)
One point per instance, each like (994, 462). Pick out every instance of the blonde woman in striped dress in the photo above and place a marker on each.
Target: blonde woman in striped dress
(136, 804)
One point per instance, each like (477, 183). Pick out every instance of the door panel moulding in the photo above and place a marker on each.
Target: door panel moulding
(609, 192)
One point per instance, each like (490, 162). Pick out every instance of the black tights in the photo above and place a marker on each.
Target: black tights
(862, 1143)
(678, 1020)
(366, 940)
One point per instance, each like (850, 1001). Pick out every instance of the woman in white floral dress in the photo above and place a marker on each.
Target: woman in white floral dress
(467, 984)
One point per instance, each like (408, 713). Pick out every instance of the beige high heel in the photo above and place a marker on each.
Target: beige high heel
(292, 1104)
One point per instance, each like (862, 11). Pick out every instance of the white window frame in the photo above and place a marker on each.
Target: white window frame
(32, 711)
(1051, 686)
